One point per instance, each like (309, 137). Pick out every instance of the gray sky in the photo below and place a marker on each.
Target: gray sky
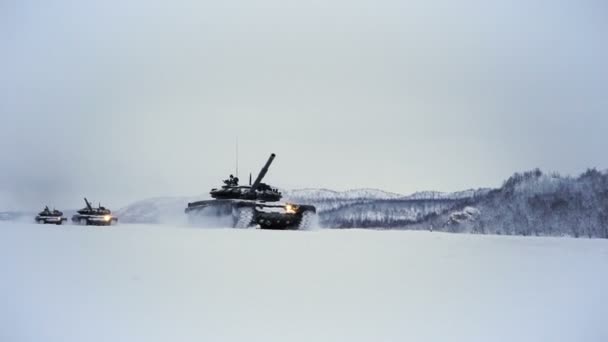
(122, 100)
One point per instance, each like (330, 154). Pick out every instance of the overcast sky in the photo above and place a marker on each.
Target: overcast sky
(123, 100)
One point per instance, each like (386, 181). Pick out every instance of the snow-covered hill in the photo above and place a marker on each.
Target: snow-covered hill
(534, 203)
(324, 199)
(148, 283)
(396, 213)
(425, 195)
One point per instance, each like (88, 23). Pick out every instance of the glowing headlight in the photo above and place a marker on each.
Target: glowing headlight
(290, 209)
(107, 218)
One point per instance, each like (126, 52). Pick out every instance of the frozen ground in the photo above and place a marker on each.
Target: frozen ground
(161, 283)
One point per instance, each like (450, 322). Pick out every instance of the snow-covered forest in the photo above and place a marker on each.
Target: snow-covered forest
(529, 203)
(533, 203)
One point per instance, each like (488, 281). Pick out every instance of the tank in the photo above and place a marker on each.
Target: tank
(48, 216)
(254, 205)
(89, 216)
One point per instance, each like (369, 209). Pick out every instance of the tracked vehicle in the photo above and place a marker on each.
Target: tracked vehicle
(48, 216)
(250, 206)
(90, 216)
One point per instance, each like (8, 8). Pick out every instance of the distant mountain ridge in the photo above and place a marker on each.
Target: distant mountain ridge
(376, 194)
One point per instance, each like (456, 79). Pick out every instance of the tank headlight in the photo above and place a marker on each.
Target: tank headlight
(107, 218)
(290, 208)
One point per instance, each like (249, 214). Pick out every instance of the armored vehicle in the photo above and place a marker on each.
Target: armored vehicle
(254, 205)
(99, 216)
(48, 216)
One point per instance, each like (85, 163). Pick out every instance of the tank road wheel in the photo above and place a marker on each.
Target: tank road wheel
(243, 217)
(83, 221)
(307, 220)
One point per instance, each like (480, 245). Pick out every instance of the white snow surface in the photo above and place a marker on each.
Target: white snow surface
(165, 283)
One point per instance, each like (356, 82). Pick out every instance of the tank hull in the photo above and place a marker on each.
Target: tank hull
(245, 213)
(50, 219)
(94, 220)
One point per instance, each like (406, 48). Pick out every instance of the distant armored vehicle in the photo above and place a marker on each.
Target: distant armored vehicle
(253, 205)
(48, 216)
(99, 216)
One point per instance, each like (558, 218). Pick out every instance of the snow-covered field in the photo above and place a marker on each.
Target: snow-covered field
(160, 283)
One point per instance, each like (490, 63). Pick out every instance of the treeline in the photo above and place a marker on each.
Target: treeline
(389, 213)
(533, 203)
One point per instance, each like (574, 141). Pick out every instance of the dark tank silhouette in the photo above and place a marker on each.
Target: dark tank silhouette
(90, 216)
(253, 205)
(48, 216)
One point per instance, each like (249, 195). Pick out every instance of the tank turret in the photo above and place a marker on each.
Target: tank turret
(257, 191)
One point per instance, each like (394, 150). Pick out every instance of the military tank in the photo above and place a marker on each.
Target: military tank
(256, 204)
(90, 216)
(48, 216)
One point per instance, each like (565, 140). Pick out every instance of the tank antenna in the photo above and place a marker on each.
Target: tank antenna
(237, 157)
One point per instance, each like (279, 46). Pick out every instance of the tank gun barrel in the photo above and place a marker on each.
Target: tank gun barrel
(262, 174)
(88, 204)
